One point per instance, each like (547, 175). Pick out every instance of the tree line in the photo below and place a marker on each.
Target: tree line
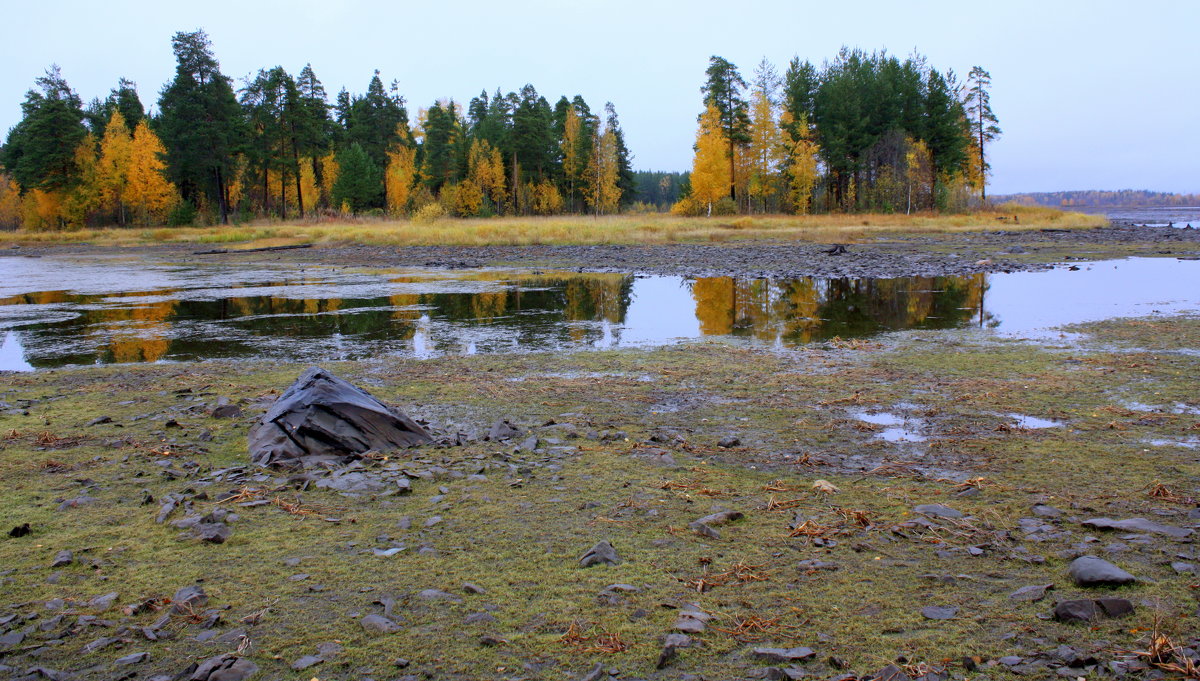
(864, 132)
(278, 146)
(1109, 198)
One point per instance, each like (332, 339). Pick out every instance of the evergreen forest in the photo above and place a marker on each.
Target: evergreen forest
(863, 132)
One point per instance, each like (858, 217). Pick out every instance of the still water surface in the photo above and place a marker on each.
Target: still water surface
(62, 311)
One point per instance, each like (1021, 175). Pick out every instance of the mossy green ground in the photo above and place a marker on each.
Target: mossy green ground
(518, 535)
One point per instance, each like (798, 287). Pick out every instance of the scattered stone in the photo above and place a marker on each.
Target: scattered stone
(437, 595)
(671, 644)
(937, 511)
(1086, 610)
(214, 533)
(812, 565)
(889, 673)
(1032, 593)
(132, 658)
(378, 624)
(939, 612)
(306, 662)
(354, 482)
(224, 668)
(692, 620)
(729, 442)
(472, 588)
(1115, 607)
(705, 525)
(100, 644)
(784, 654)
(503, 430)
(1044, 511)
(602, 553)
(78, 501)
(63, 558)
(189, 600)
(323, 419)
(596, 673)
(227, 411)
(104, 602)
(11, 640)
(479, 618)
(434, 520)
(1184, 568)
(1138, 525)
(98, 421)
(1093, 571)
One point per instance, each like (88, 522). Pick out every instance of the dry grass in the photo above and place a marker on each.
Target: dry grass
(574, 229)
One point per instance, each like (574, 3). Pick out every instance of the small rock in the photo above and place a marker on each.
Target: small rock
(133, 658)
(227, 411)
(98, 421)
(433, 521)
(63, 558)
(472, 588)
(1079, 610)
(1032, 593)
(1115, 607)
(479, 618)
(189, 600)
(102, 603)
(1044, 511)
(937, 511)
(224, 668)
(729, 441)
(596, 673)
(1093, 571)
(214, 533)
(76, 502)
(671, 645)
(784, 654)
(306, 662)
(436, 595)
(939, 612)
(1137, 525)
(377, 624)
(602, 553)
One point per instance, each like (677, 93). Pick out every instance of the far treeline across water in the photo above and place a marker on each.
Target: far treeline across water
(865, 132)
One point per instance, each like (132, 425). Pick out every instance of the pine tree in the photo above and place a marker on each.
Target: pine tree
(200, 124)
(723, 90)
(359, 184)
(984, 125)
(39, 152)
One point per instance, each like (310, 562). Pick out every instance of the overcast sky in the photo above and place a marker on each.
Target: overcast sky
(1091, 95)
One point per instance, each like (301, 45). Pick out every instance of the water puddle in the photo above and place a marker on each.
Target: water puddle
(899, 428)
(1033, 422)
(59, 311)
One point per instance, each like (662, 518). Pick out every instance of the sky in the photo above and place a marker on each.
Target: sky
(1090, 95)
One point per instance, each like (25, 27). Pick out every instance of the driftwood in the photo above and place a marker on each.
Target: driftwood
(222, 251)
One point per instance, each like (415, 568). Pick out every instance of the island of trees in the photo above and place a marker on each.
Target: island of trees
(864, 132)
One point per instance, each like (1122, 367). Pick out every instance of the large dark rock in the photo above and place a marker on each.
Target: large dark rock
(322, 419)
(1093, 571)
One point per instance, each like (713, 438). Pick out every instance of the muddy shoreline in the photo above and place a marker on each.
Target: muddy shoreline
(891, 256)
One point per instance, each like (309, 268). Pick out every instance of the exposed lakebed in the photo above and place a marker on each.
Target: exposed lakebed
(59, 311)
